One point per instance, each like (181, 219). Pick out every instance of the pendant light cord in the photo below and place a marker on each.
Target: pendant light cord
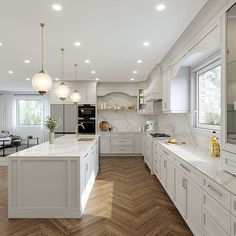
(75, 77)
(42, 26)
(62, 63)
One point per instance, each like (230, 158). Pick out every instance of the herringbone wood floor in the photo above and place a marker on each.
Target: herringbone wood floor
(125, 200)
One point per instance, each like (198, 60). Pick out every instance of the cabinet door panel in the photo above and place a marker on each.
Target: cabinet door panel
(170, 180)
(56, 111)
(105, 145)
(163, 172)
(194, 207)
(180, 192)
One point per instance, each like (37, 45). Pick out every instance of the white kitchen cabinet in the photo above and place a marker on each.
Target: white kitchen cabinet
(138, 142)
(163, 172)
(87, 90)
(233, 225)
(180, 192)
(105, 143)
(170, 179)
(194, 207)
(176, 91)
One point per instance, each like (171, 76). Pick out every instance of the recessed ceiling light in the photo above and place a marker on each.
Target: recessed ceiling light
(27, 61)
(139, 61)
(10, 72)
(135, 72)
(56, 79)
(132, 79)
(56, 7)
(28, 79)
(97, 79)
(77, 44)
(93, 71)
(146, 44)
(0, 44)
(160, 7)
(87, 61)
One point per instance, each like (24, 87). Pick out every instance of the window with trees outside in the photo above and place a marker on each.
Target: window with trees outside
(209, 96)
(29, 112)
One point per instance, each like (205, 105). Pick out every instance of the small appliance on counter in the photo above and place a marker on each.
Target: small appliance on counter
(160, 135)
(150, 126)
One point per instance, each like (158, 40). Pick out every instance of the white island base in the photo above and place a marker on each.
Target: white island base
(52, 181)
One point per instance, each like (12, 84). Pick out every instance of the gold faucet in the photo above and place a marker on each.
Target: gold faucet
(77, 129)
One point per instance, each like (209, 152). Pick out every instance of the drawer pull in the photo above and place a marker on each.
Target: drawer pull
(166, 152)
(234, 205)
(215, 190)
(184, 183)
(165, 163)
(185, 168)
(204, 219)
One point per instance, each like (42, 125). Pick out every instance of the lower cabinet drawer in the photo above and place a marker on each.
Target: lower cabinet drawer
(122, 141)
(217, 192)
(121, 149)
(210, 227)
(217, 212)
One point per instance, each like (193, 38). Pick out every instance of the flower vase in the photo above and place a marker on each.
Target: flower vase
(51, 137)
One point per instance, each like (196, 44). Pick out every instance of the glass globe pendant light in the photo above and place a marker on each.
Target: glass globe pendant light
(42, 82)
(75, 97)
(62, 91)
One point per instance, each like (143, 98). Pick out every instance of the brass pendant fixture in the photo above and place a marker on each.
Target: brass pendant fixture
(62, 90)
(75, 97)
(42, 82)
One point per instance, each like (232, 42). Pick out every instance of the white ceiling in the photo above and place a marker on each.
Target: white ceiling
(111, 33)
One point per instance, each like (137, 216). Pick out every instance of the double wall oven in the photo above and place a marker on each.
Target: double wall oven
(87, 117)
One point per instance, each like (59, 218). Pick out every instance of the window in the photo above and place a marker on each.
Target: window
(29, 112)
(208, 99)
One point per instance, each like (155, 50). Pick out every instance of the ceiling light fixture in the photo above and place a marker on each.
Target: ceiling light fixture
(27, 61)
(0, 44)
(56, 79)
(87, 61)
(42, 82)
(93, 72)
(28, 79)
(62, 91)
(135, 72)
(75, 97)
(160, 7)
(97, 79)
(146, 44)
(132, 79)
(77, 44)
(139, 61)
(56, 7)
(10, 72)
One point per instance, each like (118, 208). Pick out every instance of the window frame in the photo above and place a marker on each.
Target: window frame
(18, 111)
(196, 73)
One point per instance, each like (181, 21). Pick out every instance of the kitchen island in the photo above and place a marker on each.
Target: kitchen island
(53, 180)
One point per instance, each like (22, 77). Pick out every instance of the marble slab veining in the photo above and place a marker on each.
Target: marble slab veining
(65, 146)
(200, 160)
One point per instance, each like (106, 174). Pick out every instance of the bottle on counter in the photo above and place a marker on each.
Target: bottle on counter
(217, 148)
(212, 143)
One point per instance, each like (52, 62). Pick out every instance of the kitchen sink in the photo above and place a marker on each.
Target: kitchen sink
(85, 139)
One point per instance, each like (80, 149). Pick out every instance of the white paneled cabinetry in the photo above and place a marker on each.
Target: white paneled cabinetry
(207, 207)
(121, 143)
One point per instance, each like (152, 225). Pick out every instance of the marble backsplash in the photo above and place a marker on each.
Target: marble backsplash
(177, 125)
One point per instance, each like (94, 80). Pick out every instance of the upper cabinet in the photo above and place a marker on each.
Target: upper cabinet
(176, 93)
(87, 91)
(229, 90)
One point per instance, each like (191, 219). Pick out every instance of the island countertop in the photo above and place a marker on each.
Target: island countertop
(65, 146)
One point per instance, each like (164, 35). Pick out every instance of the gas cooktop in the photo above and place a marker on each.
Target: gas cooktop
(160, 135)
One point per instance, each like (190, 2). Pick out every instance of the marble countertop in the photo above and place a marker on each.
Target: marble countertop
(200, 160)
(65, 146)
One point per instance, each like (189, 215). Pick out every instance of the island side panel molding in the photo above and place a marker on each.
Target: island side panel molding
(44, 187)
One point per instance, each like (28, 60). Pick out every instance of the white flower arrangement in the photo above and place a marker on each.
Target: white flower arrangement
(51, 123)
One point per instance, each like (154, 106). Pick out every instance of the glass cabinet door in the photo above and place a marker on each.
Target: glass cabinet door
(231, 74)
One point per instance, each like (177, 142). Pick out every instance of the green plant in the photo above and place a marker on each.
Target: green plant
(51, 123)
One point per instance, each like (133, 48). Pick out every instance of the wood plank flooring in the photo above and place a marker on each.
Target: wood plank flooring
(125, 200)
